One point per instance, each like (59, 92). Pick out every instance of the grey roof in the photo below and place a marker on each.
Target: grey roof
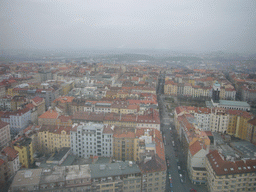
(77, 172)
(27, 177)
(113, 169)
(247, 149)
(234, 103)
(58, 156)
(55, 174)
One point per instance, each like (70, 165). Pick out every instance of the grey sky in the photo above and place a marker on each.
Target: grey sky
(205, 25)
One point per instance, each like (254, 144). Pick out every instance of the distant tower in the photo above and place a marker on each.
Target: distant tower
(216, 92)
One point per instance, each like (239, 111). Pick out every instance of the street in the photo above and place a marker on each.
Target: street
(173, 151)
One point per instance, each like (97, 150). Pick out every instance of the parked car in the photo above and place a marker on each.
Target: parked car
(192, 190)
(179, 167)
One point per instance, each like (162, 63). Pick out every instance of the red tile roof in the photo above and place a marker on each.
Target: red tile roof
(56, 129)
(37, 99)
(10, 153)
(195, 147)
(50, 114)
(221, 166)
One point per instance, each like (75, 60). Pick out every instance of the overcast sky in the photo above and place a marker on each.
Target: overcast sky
(206, 25)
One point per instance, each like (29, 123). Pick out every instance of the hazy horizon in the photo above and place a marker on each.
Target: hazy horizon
(183, 25)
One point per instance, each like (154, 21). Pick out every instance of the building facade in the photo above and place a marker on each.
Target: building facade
(91, 139)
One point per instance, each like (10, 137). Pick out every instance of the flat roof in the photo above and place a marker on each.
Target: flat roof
(77, 172)
(58, 156)
(247, 149)
(55, 174)
(27, 177)
(234, 103)
(113, 169)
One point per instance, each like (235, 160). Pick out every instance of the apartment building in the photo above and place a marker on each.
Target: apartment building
(153, 172)
(4, 171)
(219, 120)
(5, 136)
(229, 174)
(18, 120)
(196, 161)
(203, 116)
(125, 144)
(40, 104)
(238, 123)
(251, 131)
(13, 159)
(48, 118)
(119, 177)
(25, 149)
(5, 102)
(52, 138)
(91, 139)
(64, 104)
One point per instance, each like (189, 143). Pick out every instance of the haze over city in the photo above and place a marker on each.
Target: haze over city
(178, 25)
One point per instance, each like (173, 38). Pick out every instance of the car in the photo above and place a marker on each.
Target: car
(192, 190)
(176, 154)
(179, 167)
(181, 180)
(180, 175)
(170, 184)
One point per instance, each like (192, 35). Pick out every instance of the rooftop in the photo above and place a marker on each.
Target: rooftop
(234, 103)
(26, 177)
(113, 169)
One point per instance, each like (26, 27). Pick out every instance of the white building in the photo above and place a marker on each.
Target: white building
(219, 120)
(203, 118)
(18, 120)
(196, 162)
(91, 139)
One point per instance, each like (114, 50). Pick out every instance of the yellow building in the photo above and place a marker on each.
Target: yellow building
(222, 93)
(53, 138)
(191, 81)
(125, 144)
(171, 88)
(238, 123)
(25, 148)
(67, 87)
